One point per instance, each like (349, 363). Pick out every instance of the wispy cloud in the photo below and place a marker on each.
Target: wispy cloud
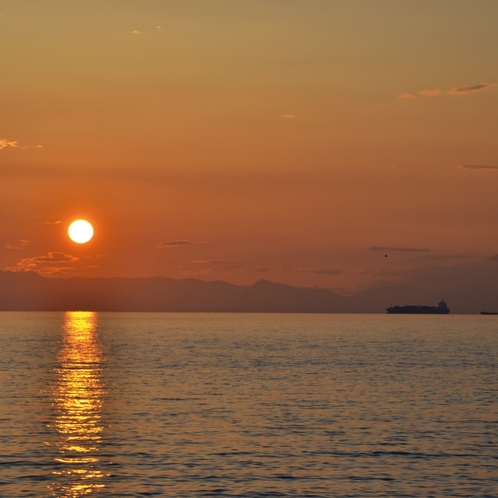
(262, 269)
(230, 268)
(289, 116)
(399, 249)
(32, 147)
(388, 272)
(95, 256)
(4, 143)
(478, 166)
(44, 265)
(444, 257)
(178, 243)
(20, 245)
(493, 258)
(224, 266)
(430, 93)
(54, 271)
(195, 273)
(325, 271)
(51, 257)
(216, 266)
(229, 265)
(217, 262)
(465, 90)
(136, 32)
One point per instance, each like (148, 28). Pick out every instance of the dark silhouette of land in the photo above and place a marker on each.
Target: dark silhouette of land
(28, 291)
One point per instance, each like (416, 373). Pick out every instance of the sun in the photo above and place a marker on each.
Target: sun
(80, 231)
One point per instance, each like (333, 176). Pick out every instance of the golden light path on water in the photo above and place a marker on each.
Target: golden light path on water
(78, 396)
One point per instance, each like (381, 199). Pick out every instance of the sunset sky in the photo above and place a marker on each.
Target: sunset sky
(296, 141)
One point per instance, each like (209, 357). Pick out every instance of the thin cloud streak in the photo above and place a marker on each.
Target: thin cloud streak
(325, 271)
(430, 93)
(95, 256)
(44, 265)
(215, 269)
(4, 143)
(178, 243)
(465, 90)
(443, 257)
(230, 268)
(20, 245)
(399, 249)
(222, 262)
(263, 269)
(478, 166)
(195, 273)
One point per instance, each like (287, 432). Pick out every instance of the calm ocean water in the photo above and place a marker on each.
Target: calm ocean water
(244, 405)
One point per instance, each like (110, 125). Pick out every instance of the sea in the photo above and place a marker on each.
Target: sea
(248, 405)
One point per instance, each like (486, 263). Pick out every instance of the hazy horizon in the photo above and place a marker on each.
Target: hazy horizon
(29, 291)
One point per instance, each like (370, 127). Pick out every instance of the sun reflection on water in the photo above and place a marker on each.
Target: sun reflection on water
(78, 396)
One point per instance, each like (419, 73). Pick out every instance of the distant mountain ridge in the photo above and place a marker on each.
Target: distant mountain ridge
(29, 291)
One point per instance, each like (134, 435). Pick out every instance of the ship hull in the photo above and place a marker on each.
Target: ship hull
(417, 310)
(440, 309)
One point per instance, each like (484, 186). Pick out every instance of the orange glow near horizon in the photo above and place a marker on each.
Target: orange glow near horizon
(251, 139)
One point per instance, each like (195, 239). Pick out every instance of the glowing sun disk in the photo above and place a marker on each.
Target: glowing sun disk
(80, 231)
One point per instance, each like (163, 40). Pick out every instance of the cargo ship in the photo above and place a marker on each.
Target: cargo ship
(489, 312)
(440, 309)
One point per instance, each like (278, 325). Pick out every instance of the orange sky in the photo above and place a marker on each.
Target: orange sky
(289, 140)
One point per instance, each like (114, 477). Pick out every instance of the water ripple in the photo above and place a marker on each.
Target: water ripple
(248, 406)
